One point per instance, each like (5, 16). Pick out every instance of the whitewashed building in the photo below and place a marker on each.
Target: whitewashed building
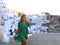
(8, 21)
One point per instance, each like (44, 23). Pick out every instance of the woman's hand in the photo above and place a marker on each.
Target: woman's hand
(26, 36)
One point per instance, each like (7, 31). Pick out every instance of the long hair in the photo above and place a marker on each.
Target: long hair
(22, 16)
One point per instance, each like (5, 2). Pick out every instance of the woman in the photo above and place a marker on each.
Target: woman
(22, 32)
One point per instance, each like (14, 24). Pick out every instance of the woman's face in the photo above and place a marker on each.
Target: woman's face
(24, 18)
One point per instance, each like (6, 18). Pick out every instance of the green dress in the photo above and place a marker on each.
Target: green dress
(22, 31)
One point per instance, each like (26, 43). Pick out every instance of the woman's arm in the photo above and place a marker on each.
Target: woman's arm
(17, 30)
(27, 34)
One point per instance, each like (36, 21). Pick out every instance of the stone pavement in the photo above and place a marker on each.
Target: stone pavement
(44, 39)
(38, 39)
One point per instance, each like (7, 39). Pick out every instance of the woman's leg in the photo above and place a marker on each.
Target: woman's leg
(23, 42)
